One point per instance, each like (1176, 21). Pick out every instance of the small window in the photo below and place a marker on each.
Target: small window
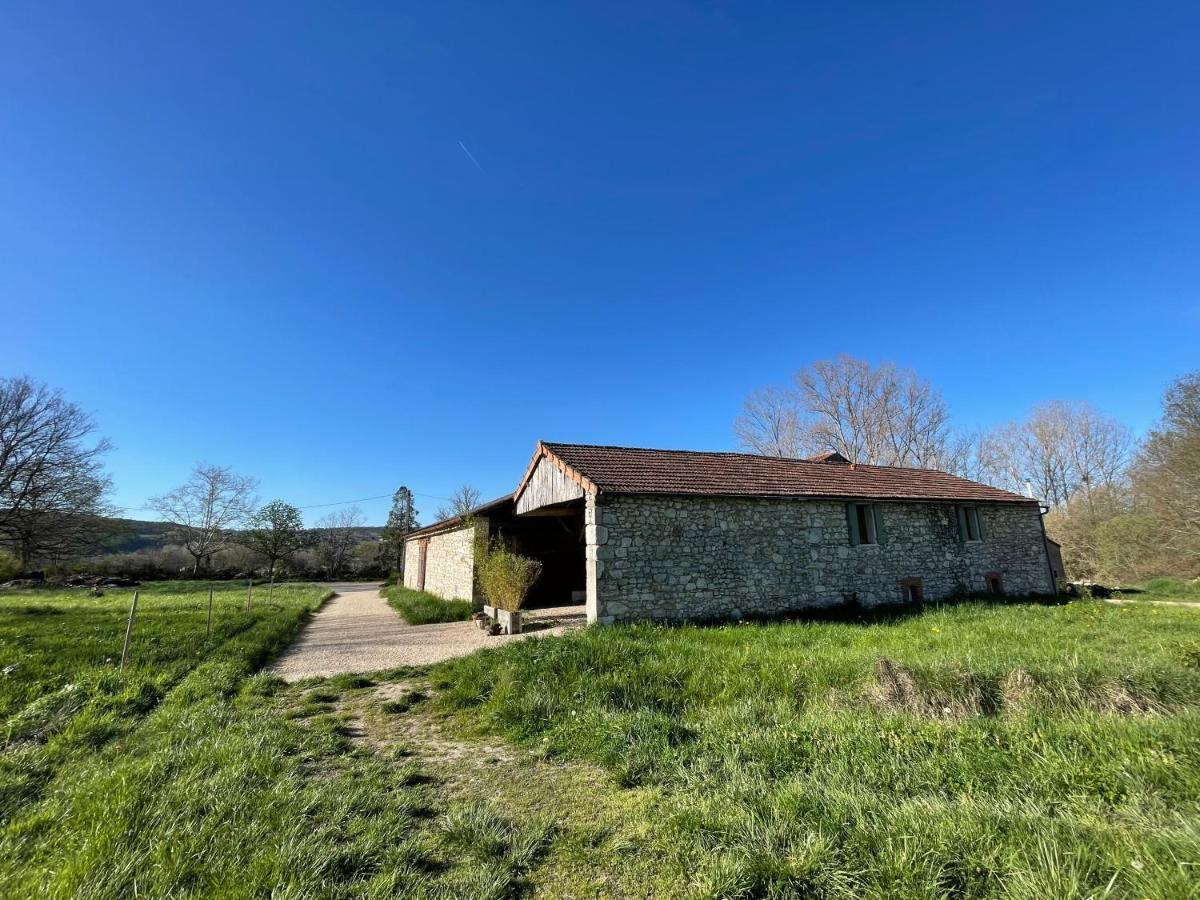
(995, 582)
(968, 524)
(864, 523)
(912, 591)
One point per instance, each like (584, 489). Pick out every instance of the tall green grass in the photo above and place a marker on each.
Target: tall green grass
(61, 693)
(215, 790)
(421, 608)
(1017, 750)
(1186, 589)
(978, 750)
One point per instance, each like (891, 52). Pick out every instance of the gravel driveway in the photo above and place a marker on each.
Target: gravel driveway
(357, 631)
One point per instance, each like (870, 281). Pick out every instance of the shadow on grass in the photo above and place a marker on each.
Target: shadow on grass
(853, 612)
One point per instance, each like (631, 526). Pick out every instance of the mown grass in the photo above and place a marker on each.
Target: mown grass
(421, 608)
(1017, 750)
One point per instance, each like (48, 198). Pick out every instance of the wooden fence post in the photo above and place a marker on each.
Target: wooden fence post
(129, 629)
(271, 589)
(249, 592)
(210, 593)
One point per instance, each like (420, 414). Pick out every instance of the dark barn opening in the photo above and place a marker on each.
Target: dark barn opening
(554, 536)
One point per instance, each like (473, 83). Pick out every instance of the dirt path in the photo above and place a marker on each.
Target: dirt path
(358, 632)
(532, 813)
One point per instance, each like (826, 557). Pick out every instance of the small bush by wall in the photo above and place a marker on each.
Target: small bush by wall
(505, 577)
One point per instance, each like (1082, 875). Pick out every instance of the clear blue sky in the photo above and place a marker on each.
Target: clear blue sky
(252, 237)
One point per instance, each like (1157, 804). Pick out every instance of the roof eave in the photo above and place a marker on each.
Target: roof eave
(455, 522)
(1015, 500)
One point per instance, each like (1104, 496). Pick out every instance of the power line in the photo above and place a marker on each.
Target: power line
(310, 505)
(365, 499)
(344, 502)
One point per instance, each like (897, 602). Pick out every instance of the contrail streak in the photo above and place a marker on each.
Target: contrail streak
(470, 156)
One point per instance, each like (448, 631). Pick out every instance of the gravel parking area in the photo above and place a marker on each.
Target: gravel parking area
(357, 631)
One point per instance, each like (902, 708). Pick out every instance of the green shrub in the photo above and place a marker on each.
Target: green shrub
(506, 577)
(420, 608)
(10, 566)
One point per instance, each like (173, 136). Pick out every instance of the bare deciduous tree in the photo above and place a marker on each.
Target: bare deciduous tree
(913, 418)
(1065, 450)
(336, 537)
(770, 423)
(462, 501)
(52, 486)
(207, 509)
(879, 415)
(973, 454)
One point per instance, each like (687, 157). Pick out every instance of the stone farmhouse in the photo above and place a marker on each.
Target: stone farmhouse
(670, 535)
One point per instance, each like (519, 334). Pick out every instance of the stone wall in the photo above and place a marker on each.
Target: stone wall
(672, 558)
(449, 564)
(412, 563)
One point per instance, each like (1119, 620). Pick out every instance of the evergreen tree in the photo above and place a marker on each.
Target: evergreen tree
(401, 520)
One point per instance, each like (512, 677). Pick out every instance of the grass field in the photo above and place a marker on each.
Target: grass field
(189, 775)
(978, 750)
(61, 694)
(1174, 589)
(420, 608)
(1018, 750)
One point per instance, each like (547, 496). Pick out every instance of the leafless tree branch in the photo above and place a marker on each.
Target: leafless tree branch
(207, 509)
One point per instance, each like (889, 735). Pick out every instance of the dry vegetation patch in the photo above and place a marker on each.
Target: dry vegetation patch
(897, 688)
(962, 695)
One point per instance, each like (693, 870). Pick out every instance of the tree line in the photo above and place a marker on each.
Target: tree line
(1121, 508)
(54, 509)
(216, 512)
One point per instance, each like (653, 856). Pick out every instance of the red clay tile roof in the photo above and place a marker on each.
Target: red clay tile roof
(631, 470)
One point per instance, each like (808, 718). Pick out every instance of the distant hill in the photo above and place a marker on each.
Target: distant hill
(130, 535)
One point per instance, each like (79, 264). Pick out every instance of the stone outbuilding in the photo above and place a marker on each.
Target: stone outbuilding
(671, 535)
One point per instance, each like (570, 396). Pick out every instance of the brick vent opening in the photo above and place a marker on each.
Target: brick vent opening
(912, 590)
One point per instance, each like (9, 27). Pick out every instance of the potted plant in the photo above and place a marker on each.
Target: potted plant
(506, 578)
